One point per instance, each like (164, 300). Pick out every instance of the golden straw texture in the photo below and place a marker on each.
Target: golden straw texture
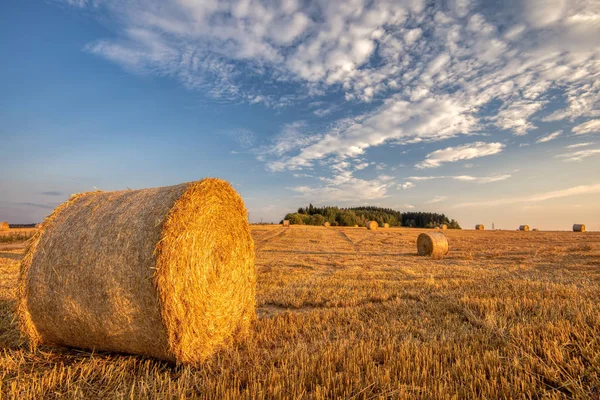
(286, 222)
(165, 272)
(326, 224)
(372, 225)
(432, 244)
(4, 226)
(524, 228)
(479, 227)
(579, 228)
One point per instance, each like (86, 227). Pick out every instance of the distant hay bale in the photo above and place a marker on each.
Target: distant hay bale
(479, 227)
(4, 226)
(524, 228)
(356, 226)
(432, 244)
(444, 226)
(372, 225)
(286, 222)
(579, 228)
(165, 272)
(326, 224)
(535, 230)
(386, 225)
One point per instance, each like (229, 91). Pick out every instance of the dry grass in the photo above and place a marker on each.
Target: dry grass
(18, 235)
(351, 313)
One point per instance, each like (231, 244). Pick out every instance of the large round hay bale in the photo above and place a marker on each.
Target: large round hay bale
(372, 225)
(432, 244)
(479, 227)
(524, 228)
(286, 222)
(579, 228)
(165, 272)
(386, 225)
(326, 224)
(4, 226)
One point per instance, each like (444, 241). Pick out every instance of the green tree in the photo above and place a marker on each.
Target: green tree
(317, 219)
(295, 219)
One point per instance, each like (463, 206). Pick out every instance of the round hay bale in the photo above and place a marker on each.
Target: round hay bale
(524, 228)
(535, 230)
(165, 272)
(326, 224)
(432, 244)
(444, 226)
(386, 225)
(479, 227)
(4, 226)
(286, 222)
(579, 228)
(356, 226)
(372, 225)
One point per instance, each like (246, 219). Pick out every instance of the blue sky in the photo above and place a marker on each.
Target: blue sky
(487, 114)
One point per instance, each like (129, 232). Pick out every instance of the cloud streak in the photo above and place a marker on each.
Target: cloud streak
(459, 153)
(464, 178)
(557, 194)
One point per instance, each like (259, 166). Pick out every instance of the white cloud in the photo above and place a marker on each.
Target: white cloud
(436, 199)
(464, 178)
(577, 145)
(592, 126)
(408, 206)
(432, 119)
(431, 71)
(573, 191)
(579, 155)
(346, 189)
(464, 152)
(515, 116)
(540, 13)
(385, 178)
(406, 185)
(547, 138)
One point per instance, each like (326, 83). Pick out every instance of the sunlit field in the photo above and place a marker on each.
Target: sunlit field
(351, 313)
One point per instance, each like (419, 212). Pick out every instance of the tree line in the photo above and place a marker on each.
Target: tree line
(352, 216)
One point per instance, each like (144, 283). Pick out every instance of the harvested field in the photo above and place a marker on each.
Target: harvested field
(349, 312)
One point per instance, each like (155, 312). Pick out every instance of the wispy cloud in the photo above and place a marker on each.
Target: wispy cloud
(464, 152)
(577, 145)
(348, 190)
(547, 138)
(414, 71)
(245, 138)
(37, 205)
(52, 193)
(592, 126)
(436, 199)
(579, 155)
(464, 178)
(406, 185)
(573, 191)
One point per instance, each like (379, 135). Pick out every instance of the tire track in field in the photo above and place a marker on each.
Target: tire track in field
(270, 238)
(343, 234)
